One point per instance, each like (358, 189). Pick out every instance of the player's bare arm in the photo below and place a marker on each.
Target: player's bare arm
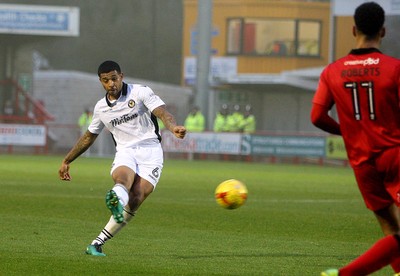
(169, 121)
(166, 117)
(84, 142)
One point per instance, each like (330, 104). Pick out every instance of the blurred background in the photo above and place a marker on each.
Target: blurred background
(262, 57)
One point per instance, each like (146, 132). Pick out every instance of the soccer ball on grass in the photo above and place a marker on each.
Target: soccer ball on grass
(231, 194)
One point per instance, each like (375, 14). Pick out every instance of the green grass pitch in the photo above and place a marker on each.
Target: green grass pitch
(298, 220)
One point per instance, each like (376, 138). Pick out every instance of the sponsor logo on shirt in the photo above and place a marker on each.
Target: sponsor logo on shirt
(123, 119)
(364, 62)
(365, 68)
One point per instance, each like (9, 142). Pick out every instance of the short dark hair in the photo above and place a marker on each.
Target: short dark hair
(369, 18)
(108, 66)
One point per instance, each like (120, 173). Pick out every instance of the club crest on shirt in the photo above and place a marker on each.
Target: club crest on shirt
(131, 103)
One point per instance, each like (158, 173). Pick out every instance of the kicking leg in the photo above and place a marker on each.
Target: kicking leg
(115, 199)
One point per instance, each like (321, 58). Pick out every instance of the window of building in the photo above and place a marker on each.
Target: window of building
(308, 38)
(234, 36)
(275, 37)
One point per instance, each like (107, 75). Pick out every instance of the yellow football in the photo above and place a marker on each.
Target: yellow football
(231, 194)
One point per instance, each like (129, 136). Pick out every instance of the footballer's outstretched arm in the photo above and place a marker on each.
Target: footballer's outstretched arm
(169, 121)
(83, 143)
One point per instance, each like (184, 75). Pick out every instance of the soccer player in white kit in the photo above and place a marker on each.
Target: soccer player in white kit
(129, 112)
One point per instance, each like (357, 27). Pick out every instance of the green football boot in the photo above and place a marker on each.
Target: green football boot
(95, 250)
(115, 206)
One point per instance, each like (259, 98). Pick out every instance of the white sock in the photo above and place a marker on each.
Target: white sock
(112, 228)
(122, 193)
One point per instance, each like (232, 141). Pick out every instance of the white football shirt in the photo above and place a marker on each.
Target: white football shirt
(129, 119)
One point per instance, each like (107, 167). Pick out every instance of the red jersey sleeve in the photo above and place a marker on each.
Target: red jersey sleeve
(323, 96)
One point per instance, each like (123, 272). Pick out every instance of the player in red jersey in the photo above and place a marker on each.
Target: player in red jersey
(365, 87)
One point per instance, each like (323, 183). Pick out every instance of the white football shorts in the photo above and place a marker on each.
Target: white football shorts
(146, 161)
